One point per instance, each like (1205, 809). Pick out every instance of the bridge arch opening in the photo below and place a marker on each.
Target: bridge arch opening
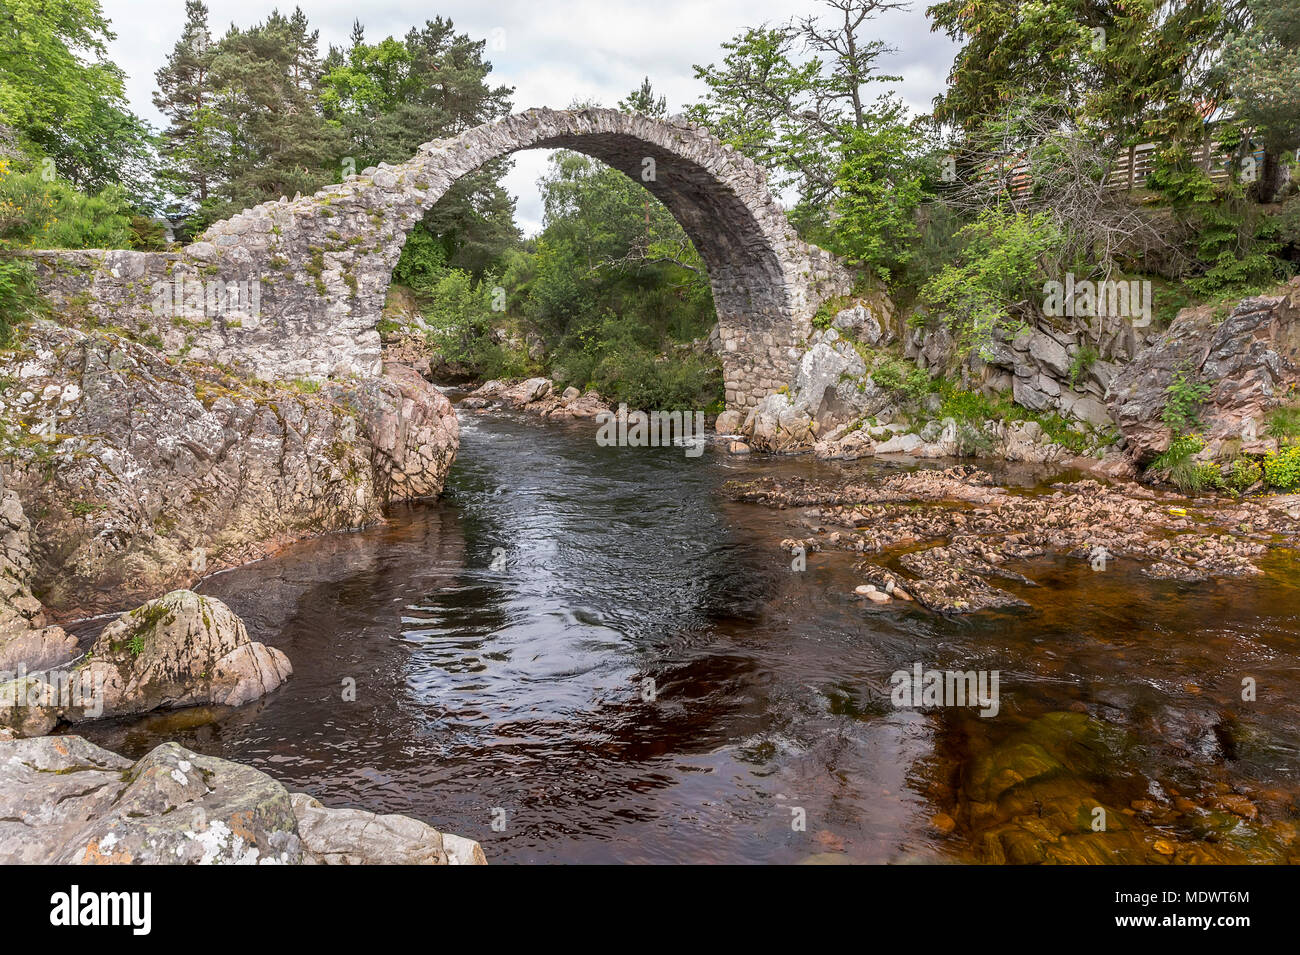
(347, 239)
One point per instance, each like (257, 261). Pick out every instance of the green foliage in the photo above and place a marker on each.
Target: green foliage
(423, 261)
(1083, 359)
(1184, 472)
(1261, 63)
(903, 378)
(19, 298)
(35, 213)
(1282, 468)
(462, 321)
(389, 97)
(1010, 51)
(999, 263)
(1235, 245)
(791, 96)
(623, 372)
(883, 178)
(824, 317)
(1183, 399)
(1284, 423)
(1242, 473)
(65, 99)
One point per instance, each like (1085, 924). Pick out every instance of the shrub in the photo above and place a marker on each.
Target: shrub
(646, 380)
(423, 262)
(1183, 399)
(53, 215)
(1183, 471)
(19, 299)
(1242, 473)
(1282, 468)
(1083, 359)
(998, 265)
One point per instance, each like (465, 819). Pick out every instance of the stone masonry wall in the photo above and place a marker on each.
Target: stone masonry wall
(313, 272)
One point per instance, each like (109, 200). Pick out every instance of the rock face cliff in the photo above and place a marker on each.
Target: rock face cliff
(1250, 362)
(141, 473)
(25, 638)
(1054, 367)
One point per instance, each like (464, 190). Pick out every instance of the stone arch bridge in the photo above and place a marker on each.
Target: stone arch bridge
(295, 288)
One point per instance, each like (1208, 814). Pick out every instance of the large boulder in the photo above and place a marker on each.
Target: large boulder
(29, 706)
(866, 322)
(776, 425)
(64, 800)
(1250, 361)
(825, 365)
(150, 473)
(182, 649)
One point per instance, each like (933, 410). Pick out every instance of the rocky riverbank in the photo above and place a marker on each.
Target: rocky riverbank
(537, 396)
(64, 800)
(144, 473)
(944, 536)
(127, 473)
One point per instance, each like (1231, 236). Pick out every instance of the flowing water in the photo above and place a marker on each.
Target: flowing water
(595, 646)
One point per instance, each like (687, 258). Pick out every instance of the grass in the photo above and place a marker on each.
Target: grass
(1284, 423)
(1183, 470)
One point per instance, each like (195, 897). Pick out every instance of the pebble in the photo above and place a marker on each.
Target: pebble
(942, 822)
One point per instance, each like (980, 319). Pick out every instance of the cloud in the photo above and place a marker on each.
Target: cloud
(551, 53)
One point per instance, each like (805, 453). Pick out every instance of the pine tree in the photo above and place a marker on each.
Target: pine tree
(192, 146)
(267, 79)
(643, 100)
(389, 97)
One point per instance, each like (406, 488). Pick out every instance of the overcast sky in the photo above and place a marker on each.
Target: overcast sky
(550, 51)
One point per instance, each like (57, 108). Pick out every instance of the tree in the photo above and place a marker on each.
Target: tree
(885, 174)
(1261, 64)
(277, 141)
(644, 101)
(193, 149)
(789, 96)
(65, 99)
(1016, 51)
(388, 98)
(849, 59)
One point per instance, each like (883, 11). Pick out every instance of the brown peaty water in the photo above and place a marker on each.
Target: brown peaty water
(501, 640)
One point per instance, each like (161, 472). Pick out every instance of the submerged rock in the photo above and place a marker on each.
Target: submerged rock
(64, 800)
(954, 530)
(1045, 794)
(357, 837)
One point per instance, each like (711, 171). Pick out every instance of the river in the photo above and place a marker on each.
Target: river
(587, 654)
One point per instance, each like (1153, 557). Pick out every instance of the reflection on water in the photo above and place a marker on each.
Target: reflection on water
(595, 641)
